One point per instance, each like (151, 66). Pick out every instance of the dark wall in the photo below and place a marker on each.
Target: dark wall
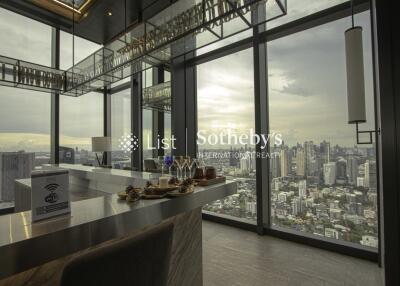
(387, 63)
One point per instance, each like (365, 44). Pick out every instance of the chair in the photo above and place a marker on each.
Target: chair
(141, 260)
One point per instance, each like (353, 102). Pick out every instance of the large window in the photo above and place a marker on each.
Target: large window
(225, 98)
(81, 118)
(24, 114)
(322, 183)
(120, 126)
(83, 49)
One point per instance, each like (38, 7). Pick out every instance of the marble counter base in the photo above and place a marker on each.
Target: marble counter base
(185, 265)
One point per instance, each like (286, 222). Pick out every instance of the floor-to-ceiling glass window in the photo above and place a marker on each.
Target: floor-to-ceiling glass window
(147, 118)
(120, 126)
(225, 108)
(24, 114)
(322, 182)
(81, 118)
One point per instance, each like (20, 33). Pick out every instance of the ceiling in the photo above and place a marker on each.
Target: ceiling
(102, 22)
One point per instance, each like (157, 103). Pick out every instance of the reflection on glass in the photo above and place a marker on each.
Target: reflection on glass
(321, 182)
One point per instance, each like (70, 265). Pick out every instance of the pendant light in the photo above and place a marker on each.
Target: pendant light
(355, 73)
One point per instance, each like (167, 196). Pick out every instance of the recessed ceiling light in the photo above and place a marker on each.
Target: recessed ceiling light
(109, 13)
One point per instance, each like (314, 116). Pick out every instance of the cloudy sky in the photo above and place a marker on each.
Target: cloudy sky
(307, 85)
(306, 78)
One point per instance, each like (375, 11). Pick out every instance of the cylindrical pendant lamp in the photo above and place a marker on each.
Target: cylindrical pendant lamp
(355, 75)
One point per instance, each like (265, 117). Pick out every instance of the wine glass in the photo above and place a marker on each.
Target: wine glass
(180, 163)
(169, 161)
(192, 165)
(186, 167)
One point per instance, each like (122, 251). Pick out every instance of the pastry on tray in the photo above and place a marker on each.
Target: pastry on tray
(173, 181)
(186, 185)
(130, 193)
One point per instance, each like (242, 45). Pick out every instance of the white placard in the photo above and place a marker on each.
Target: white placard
(50, 194)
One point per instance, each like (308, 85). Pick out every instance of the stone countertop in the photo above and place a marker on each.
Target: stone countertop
(92, 221)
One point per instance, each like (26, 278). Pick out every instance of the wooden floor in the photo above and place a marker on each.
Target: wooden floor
(237, 257)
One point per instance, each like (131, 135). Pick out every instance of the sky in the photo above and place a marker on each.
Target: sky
(306, 84)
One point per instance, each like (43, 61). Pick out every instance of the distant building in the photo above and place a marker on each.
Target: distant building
(325, 150)
(370, 174)
(285, 164)
(309, 157)
(282, 197)
(233, 158)
(341, 174)
(330, 173)
(303, 188)
(297, 206)
(251, 207)
(14, 165)
(331, 233)
(360, 182)
(245, 163)
(300, 163)
(335, 213)
(275, 162)
(369, 240)
(67, 155)
(352, 170)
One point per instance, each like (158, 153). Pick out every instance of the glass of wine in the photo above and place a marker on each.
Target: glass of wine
(169, 161)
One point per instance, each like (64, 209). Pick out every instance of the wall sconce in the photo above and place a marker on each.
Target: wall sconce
(355, 79)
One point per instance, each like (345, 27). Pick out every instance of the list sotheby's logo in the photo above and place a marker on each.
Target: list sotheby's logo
(128, 143)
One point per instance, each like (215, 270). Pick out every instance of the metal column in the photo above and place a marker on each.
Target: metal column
(55, 101)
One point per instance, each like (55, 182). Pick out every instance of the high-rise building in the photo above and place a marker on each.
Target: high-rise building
(275, 162)
(285, 164)
(341, 174)
(309, 152)
(303, 188)
(330, 173)
(14, 165)
(245, 163)
(297, 206)
(233, 158)
(325, 150)
(300, 163)
(360, 182)
(370, 174)
(352, 170)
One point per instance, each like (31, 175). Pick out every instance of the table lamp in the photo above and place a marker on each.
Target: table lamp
(103, 145)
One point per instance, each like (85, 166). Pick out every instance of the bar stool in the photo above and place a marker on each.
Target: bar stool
(140, 260)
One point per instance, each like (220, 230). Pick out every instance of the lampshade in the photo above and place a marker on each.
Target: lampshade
(355, 75)
(101, 144)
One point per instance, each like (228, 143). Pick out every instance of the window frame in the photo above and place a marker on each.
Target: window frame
(262, 37)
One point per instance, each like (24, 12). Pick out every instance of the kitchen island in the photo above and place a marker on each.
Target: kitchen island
(37, 252)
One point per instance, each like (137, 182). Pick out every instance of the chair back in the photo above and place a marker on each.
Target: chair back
(139, 260)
